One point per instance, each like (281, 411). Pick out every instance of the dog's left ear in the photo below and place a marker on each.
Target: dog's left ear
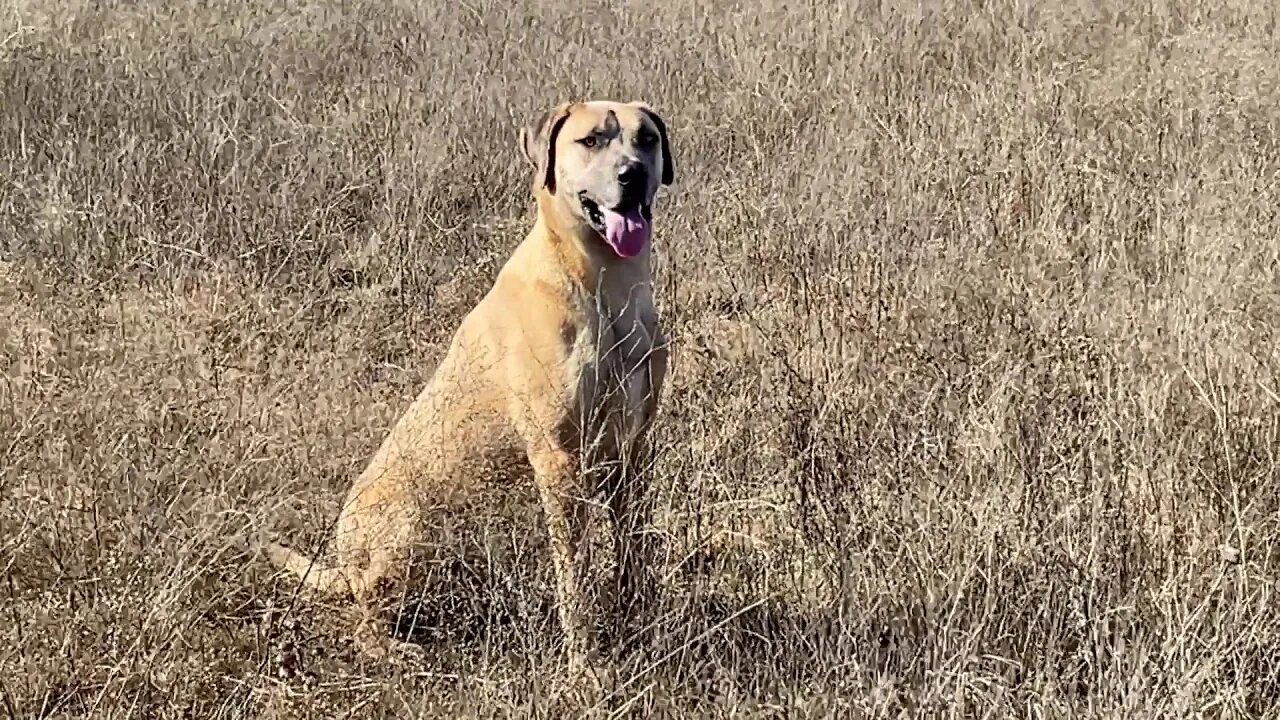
(668, 165)
(538, 143)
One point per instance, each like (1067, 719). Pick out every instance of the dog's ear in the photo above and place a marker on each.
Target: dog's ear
(668, 165)
(538, 143)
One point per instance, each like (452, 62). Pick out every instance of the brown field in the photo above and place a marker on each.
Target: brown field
(975, 406)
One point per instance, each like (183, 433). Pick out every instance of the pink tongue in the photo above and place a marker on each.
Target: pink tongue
(627, 233)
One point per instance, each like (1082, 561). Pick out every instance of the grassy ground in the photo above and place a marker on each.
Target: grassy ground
(975, 407)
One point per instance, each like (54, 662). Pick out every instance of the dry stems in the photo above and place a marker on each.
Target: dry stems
(974, 407)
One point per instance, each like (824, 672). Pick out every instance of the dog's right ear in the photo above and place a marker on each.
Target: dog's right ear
(538, 143)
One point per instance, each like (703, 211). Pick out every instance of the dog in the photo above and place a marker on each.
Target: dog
(558, 368)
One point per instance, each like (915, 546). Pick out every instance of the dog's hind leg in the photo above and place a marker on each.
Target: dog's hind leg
(380, 589)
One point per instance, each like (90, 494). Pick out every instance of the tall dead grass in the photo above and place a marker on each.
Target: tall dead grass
(974, 402)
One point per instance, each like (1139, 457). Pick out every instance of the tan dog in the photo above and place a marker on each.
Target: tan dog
(560, 365)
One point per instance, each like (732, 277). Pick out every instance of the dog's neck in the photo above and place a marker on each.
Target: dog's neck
(587, 260)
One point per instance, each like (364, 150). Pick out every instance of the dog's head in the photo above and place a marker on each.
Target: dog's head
(602, 162)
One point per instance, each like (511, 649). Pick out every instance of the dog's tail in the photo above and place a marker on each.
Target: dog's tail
(317, 577)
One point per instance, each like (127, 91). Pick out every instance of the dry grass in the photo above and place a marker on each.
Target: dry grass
(975, 402)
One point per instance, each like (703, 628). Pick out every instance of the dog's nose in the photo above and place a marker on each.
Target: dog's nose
(631, 174)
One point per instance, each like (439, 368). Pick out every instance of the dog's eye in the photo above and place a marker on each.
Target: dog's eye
(646, 139)
(588, 141)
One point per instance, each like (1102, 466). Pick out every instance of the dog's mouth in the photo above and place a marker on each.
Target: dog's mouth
(626, 229)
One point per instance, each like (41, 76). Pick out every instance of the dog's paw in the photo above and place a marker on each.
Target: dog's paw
(589, 685)
(277, 554)
(409, 652)
(384, 648)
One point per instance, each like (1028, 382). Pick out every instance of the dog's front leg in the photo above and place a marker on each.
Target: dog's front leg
(631, 506)
(631, 510)
(557, 474)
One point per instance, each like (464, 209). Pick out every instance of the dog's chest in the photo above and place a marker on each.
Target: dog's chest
(615, 371)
